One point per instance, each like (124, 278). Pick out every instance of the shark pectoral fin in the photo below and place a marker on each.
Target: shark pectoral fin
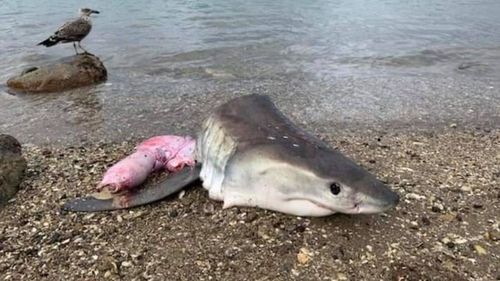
(106, 202)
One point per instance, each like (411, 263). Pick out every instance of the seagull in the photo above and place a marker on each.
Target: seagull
(72, 31)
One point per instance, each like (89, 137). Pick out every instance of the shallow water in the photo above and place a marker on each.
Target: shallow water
(170, 62)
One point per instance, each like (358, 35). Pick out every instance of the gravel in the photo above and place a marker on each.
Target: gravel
(445, 228)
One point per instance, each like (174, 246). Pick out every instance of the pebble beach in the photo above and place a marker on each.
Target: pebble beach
(446, 226)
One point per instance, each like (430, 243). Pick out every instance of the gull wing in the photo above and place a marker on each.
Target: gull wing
(74, 30)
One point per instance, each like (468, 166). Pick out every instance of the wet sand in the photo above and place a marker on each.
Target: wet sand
(445, 228)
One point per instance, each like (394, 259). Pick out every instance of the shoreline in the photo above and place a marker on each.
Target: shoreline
(354, 104)
(446, 226)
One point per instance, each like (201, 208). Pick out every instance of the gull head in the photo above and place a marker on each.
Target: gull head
(87, 12)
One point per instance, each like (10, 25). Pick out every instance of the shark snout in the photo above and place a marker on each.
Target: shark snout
(392, 199)
(380, 198)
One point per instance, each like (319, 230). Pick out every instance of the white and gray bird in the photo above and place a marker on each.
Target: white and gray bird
(72, 31)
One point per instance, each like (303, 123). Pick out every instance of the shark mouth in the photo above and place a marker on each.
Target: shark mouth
(355, 208)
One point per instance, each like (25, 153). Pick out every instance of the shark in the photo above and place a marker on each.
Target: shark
(248, 153)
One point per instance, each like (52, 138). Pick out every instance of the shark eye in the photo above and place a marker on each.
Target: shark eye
(335, 188)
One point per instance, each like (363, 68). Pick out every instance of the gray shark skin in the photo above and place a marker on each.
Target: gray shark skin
(255, 156)
(252, 155)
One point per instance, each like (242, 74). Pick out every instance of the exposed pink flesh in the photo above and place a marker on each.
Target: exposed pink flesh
(157, 153)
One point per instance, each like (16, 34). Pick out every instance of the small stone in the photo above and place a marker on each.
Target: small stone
(126, 264)
(477, 206)
(134, 215)
(173, 214)
(250, 217)
(448, 217)
(466, 188)
(297, 228)
(450, 244)
(304, 256)
(453, 125)
(181, 194)
(479, 249)
(494, 235)
(208, 209)
(414, 225)
(231, 252)
(414, 196)
(426, 221)
(437, 208)
(341, 276)
(261, 232)
(338, 253)
(460, 240)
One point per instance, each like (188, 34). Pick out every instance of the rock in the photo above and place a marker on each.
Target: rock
(251, 216)
(341, 276)
(173, 213)
(477, 206)
(437, 208)
(493, 235)
(466, 188)
(304, 256)
(479, 249)
(414, 196)
(426, 221)
(68, 73)
(12, 167)
(231, 252)
(208, 208)
(414, 225)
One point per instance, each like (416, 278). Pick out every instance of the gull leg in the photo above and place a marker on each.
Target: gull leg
(74, 46)
(82, 48)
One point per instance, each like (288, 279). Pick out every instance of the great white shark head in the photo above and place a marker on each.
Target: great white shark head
(253, 155)
(324, 183)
